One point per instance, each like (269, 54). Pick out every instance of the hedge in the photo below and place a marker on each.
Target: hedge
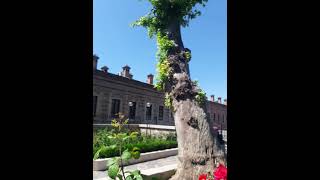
(145, 144)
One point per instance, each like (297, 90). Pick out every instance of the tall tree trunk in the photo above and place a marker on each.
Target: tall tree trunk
(197, 142)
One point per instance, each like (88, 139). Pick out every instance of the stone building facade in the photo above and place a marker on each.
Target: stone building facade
(138, 101)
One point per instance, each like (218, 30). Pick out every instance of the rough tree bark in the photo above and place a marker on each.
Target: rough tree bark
(197, 142)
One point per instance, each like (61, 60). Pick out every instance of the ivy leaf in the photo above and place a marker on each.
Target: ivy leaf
(113, 170)
(126, 155)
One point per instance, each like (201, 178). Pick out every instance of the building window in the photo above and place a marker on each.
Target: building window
(214, 116)
(148, 112)
(132, 110)
(218, 118)
(115, 107)
(160, 113)
(95, 98)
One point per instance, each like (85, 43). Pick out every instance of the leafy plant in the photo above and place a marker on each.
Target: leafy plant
(144, 143)
(163, 12)
(120, 138)
(164, 45)
(188, 56)
(201, 97)
(172, 136)
(168, 101)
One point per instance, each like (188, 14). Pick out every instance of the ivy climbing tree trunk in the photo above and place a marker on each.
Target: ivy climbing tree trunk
(197, 142)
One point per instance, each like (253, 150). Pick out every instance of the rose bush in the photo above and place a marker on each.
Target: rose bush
(219, 174)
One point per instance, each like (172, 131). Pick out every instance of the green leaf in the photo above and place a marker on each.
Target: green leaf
(134, 134)
(135, 153)
(139, 177)
(113, 146)
(113, 171)
(120, 176)
(111, 137)
(135, 173)
(126, 155)
(96, 155)
(129, 178)
(114, 123)
(121, 135)
(125, 138)
(113, 161)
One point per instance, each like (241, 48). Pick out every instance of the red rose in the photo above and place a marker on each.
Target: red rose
(220, 173)
(203, 177)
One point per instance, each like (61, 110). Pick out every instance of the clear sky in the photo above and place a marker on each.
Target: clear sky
(118, 44)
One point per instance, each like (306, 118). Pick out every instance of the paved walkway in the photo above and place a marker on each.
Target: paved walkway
(172, 160)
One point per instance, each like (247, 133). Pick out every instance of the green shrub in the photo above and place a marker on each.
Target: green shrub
(144, 143)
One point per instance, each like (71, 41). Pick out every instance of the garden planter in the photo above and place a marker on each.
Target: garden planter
(101, 164)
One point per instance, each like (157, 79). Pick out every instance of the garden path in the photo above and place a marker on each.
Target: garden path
(171, 160)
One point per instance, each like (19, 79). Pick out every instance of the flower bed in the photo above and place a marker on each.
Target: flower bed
(144, 143)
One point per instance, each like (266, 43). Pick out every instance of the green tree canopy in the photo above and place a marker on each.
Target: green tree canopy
(165, 11)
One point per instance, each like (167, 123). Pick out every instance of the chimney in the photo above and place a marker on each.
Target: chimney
(95, 61)
(105, 69)
(126, 72)
(219, 100)
(150, 79)
(225, 101)
(212, 98)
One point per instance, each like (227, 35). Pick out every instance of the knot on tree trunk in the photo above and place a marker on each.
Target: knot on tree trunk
(199, 161)
(193, 123)
(182, 87)
(177, 63)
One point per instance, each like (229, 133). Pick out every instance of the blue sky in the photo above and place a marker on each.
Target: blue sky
(118, 44)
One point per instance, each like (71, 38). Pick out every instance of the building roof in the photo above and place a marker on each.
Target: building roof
(123, 79)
